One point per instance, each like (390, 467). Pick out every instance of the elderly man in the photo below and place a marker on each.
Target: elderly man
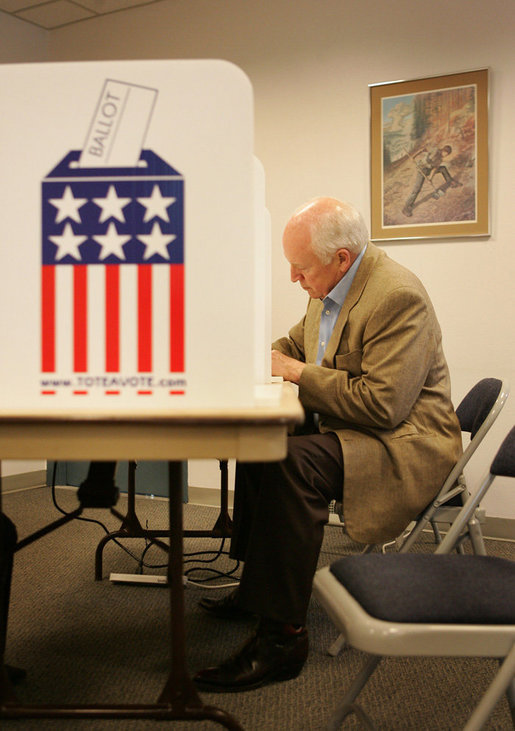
(380, 436)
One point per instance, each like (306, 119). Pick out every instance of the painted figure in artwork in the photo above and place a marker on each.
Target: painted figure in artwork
(427, 168)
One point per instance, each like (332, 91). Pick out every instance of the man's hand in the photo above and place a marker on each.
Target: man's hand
(289, 368)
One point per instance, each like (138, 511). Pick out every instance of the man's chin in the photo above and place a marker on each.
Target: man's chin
(311, 293)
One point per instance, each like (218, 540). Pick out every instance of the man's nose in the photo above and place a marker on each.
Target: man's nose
(294, 274)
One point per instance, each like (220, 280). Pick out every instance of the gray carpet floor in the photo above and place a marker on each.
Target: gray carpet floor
(83, 641)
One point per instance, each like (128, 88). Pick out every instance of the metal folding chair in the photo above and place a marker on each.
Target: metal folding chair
(476, 413)
(444, 604)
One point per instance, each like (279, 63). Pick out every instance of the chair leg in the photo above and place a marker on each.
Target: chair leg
(476, 537)
(510, 694)
(436, 531)
(350, 696)
(337, 646)
(503, 682)
(369, 548)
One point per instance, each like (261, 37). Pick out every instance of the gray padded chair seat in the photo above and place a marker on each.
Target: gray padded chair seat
(441, 589)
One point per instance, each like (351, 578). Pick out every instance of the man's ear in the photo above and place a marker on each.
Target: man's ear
(345, 260)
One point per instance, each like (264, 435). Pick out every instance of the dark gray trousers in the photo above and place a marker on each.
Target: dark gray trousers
(280, 509)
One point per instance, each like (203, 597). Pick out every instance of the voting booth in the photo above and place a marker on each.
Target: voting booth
(136, 244)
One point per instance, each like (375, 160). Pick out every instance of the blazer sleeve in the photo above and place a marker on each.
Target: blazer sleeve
(293, 345)
(376, 382)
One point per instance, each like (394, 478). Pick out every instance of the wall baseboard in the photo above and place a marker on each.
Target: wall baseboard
(496, 528)
(37, 478)
(207, 496)
(500, 528)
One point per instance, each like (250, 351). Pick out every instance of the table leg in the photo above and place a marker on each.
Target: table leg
(179, 688)
(180, 691)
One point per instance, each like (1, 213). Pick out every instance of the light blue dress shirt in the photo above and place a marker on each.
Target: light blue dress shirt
(333, 304)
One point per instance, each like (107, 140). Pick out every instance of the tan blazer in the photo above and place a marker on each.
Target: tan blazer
(383, 387)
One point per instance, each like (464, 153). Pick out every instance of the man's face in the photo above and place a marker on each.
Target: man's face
(315, 278)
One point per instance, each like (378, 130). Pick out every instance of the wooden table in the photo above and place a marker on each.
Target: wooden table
(254, 433)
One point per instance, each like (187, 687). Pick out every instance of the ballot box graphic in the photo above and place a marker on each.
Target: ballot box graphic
(122, 228)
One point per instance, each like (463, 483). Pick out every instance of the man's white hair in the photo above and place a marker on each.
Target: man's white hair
(342, 227)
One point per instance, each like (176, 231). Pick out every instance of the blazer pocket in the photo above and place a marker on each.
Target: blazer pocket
(350, 362)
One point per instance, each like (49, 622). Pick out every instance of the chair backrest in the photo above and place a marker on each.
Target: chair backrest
(503, 465)
(504, 461)
(476, 413)
(477, 408)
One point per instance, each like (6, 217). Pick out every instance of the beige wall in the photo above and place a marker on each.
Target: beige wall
(21, 42)
(310, 63)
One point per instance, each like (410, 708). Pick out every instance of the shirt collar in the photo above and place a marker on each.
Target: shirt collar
(341, 289)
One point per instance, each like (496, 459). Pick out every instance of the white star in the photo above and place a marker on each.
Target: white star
(68, 242)
(156, 242)
(156, 205)
(67, 206)
(111, 205)
(112, 242)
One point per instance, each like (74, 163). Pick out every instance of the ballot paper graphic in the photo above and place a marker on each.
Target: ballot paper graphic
(113, 232)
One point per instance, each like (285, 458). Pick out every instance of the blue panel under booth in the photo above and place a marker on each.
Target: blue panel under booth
(151, 477)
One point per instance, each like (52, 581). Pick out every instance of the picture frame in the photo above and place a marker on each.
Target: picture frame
(429, 157)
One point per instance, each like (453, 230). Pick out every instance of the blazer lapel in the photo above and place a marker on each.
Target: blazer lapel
(311, 330)
(355, 292)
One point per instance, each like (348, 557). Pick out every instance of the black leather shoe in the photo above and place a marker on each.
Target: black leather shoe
(98, 489)
(271, 655)
(225, 608)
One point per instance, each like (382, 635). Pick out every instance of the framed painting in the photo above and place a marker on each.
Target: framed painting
(429, 157)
